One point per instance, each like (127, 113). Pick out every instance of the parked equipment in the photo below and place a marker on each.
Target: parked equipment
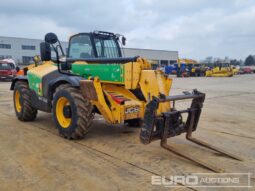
(220, 69)
(8, 69)
(198, 70)
(189, 67)
(95, 78)
(235, 69)
(245, 70)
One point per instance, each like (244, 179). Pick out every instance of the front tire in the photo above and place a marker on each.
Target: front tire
(72, 113)
(22, 103)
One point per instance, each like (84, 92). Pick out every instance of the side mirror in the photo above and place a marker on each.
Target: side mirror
(45, 51)
(51, 38)
(123, 41)
(17, 69)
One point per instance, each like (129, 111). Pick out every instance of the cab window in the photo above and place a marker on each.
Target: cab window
(81, 47)
(107, 47)
(4, 66)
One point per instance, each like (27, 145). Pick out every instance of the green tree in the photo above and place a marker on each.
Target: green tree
(234, 62)
(249, 61)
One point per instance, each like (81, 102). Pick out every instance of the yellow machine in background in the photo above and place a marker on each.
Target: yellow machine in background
(235, 70)
(186, 61)
(154, 64)
(190, 67)
(184, 67)
(220, 69)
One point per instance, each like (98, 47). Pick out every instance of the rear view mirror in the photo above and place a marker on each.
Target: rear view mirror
(123, 41)
(51, 38)
(45, 51)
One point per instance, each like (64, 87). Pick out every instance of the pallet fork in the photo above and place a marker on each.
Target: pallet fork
(170, 124)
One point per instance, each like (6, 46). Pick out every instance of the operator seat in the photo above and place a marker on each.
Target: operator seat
(85, 55)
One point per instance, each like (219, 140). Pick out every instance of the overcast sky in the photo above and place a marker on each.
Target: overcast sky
(196, 28)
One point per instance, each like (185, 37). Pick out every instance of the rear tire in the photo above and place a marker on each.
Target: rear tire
(78, 120)
(22, 102)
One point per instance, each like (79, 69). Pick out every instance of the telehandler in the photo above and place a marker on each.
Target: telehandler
(94, 78)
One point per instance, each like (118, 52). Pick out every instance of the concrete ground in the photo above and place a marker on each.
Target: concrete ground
(34, 157)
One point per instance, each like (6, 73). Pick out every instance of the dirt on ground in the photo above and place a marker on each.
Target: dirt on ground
(111, 157)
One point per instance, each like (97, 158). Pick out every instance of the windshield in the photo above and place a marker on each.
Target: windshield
(4, 66)
(81, 46)
(221, 65)
(225, 65)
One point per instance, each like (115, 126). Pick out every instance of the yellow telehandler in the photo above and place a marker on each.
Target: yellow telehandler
(94, 78)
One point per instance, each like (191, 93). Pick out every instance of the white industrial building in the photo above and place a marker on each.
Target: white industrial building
(22, 51)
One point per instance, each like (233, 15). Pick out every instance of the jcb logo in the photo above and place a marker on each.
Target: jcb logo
(135, 109)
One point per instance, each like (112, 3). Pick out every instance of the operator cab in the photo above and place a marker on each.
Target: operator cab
(95, 47)
(222, 65)
(96, 44)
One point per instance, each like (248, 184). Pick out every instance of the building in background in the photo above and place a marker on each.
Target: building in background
(22, 50)
(157, 57)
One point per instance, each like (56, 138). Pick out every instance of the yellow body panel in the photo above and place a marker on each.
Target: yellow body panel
(115, 113)
(235, 70)
(136, 74)
(44, 69)
(128, 75)
(164, 84)
(119, 112)
(148, 84)
(101, 103)
(133, 72)
(154, 83)
(145, 64)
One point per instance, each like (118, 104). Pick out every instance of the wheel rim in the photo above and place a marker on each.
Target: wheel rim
(17, 101)
(62, 120)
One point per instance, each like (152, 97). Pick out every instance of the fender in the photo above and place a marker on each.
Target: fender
(18, 78)
(50, 88)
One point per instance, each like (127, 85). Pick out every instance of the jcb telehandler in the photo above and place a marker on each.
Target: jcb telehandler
(94, 78)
